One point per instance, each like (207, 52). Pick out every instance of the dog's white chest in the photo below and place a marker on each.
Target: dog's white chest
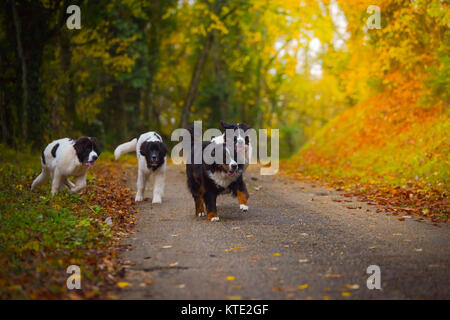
(221, 178)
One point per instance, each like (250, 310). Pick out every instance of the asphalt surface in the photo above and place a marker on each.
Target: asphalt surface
(294, 243)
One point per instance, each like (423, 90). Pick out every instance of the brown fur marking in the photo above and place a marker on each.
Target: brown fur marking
(199, 206)
(212, 215)
(242, 198)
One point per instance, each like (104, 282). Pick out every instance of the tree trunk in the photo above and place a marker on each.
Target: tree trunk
(68, 85)
(195, 79)
(23, 63)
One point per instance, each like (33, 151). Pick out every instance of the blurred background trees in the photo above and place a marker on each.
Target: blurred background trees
(138, 65)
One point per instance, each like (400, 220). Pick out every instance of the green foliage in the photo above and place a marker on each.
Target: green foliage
(38, 232)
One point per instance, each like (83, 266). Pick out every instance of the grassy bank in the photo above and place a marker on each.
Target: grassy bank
(41, 236)
(390, 145)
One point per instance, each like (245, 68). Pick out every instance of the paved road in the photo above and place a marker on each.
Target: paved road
(293, 235)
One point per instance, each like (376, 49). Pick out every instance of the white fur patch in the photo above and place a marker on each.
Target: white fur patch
(156, 199)
(243, 207)
(214, 219)
(222, 179)
(201, 214)
(92, 154)
(219, 139)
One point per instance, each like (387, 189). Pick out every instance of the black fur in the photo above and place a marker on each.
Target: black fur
(43, 157)
(84, 145)
(54, 150)
(154, 153)
(236, 126)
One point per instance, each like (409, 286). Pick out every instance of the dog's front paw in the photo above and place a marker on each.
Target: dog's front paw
(212, 216)
(157, 199)
(139, 198)
(243, 207)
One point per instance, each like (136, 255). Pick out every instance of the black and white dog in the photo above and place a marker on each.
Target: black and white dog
(207, 181)
(64, 158)
(241, 140)
(151, 153)
(242, 145)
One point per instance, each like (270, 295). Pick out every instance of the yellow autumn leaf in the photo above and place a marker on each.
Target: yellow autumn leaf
(303, 286)
(346, 294)
(234, 248)
(230, 278)
(123, 284)
(277, 254)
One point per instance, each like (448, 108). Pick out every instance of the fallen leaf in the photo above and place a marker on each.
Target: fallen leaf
(352, 286)
(332, 275)
(249, 236)
(166, 247)
(302, 287)
(173, 264)
(303, 260)
(277, 254)
(234, 298)
(230, 278)
(277, 289)
(326, 298)
(123, 284)
(234, 248)
(346, 294)
(373, 247)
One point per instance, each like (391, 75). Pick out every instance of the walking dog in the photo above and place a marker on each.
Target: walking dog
(151, 153)
(208, 180)
(64, 158)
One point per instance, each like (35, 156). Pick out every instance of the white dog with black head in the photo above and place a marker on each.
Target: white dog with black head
(65, 158)
(151, 153)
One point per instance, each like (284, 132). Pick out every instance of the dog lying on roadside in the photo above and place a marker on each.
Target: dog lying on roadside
(151, 153)
(64, 158)
(207, 181)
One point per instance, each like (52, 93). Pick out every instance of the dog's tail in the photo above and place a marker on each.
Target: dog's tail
(125, 148)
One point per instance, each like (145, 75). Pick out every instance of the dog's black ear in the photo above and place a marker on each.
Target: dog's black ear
(144, 147)
(226, 125)
(96, 145)
(244, 126)
(80, 145)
